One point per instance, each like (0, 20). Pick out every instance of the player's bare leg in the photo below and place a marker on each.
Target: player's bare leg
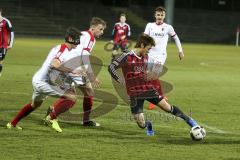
(140, 120)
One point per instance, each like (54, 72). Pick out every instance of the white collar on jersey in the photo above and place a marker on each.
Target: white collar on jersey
(135, 55)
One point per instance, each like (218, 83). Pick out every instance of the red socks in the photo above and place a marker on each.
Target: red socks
(87, 107)
(61, 106)
(26, 110)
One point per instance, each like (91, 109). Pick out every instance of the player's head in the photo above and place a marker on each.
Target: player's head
(97, 26)
(160, 13)
(72, 36)
(145, 43)
(122, 18)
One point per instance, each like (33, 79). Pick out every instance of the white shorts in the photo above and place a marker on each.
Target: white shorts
(43, 89)
(155, 64)
(79, 80)
(157, 58)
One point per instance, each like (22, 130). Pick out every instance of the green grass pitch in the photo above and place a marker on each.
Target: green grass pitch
(207, 82)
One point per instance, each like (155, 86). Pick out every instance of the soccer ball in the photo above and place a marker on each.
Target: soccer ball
(197, 133)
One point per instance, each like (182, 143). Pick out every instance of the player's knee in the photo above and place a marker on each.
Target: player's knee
(72, 97)
(164, 105)
(89, 92)
(36, 104)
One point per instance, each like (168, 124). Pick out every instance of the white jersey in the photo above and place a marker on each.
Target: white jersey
(87, 42)
(59, 52)
(160, 33)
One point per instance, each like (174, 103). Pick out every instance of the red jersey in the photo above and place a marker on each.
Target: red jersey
(134, 69)
(120, 30)
(6, 33)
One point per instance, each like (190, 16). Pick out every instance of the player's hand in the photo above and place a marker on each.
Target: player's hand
(96, 83)
(79, 73)
(181, 55)
(9, 47)
(123, 37)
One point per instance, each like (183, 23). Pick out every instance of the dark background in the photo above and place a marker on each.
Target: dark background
(203, 21)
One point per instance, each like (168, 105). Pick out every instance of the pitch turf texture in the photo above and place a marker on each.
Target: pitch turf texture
(206, 83)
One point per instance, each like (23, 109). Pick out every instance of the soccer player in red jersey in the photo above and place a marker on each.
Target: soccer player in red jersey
(6, 38)
(121, 32)
(134, 65)
(43, 86)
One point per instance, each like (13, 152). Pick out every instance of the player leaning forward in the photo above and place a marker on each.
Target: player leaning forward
(136, 79)
(87, 81)
(42, 86)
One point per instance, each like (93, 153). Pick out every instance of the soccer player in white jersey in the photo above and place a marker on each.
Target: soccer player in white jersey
(84, 83)
(41, 84)
(160, 32)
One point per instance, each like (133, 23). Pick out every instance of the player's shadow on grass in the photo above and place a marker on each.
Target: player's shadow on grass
(206, 141)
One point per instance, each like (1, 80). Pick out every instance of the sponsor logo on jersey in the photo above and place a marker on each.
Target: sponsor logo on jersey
(138, 68)
(159, 34)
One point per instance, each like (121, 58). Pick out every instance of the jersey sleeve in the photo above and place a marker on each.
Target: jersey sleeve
(171, 31)
(173, 34)
(129, 31)
(86, 62)
(147, 29)
(87, 41)
(10, 29)
(117, 63)
(57, 55)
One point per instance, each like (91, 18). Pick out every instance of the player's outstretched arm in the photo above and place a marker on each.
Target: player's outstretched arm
(181, 55)
(179, 46)
(117, 63)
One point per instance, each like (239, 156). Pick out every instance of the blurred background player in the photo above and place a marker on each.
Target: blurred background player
(85, 83)
(121, 33)
(134, 65)
(160, 32)
(6, 38)
(42, 86)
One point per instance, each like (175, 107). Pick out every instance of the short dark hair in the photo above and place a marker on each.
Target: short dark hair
(160, 9)
(74, 34)
(96, 21)
(123, 14)
(145, 40)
